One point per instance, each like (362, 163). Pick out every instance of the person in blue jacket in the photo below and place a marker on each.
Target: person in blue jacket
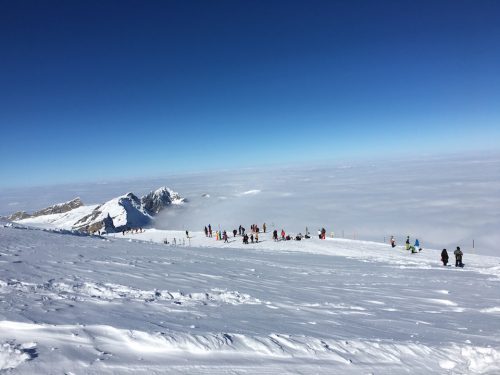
(417, 245)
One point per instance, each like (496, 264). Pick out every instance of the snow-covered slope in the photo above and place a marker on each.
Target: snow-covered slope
(121, 213)
(125, 212)
(122, 305)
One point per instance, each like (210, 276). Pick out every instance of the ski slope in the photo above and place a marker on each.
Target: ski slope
(132, 304)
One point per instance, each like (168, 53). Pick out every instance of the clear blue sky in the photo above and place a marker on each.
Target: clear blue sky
(98, 89)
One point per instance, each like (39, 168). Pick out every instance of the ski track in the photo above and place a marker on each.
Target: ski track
(74, 304)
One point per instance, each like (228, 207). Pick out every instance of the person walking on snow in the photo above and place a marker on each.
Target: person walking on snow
(444, 257)
(234, 232)
(283, 234)
(264, 227)
(458, 257)
(224, 235)
(257, 237)
(407, 244)
(209, 230)
(206, 231)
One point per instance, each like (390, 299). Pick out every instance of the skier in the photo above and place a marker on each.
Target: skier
(393, 242)
(234, 232)
(251, 237)
(216, 236)
(187, 233)
(282, 234)
(319, 234)
(407, 245)
(209, 230)
(206, 231)
(458, 257)
(444, 257)
(323, 233)
(239, 230)
(224, 235)
(257, 237)
(275, 235)
(264, 227)
(417, 245)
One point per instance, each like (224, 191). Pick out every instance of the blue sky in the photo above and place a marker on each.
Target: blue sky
(92, 90)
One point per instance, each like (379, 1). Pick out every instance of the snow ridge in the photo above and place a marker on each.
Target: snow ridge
(118, 214)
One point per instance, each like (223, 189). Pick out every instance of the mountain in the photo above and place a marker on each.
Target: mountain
(157, 200)
(60, 208)
(118, 214)
(125, 212)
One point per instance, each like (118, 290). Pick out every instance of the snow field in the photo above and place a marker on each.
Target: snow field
(132, 304)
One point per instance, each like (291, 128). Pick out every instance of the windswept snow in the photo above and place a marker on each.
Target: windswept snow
(132, 304)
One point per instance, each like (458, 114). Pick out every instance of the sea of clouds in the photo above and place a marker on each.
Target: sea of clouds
(444, 201)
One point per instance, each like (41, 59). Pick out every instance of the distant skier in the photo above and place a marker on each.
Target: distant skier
(257, 237)
(393, 242)
(444, 257)
(319, 234)
(206, 231)
(234, 232)
(275, 235)
(224, 235)
(239, 230)
(458, 257)
(283, 234)
(407, 244)
(251, 237)
(264, 227)
(209, 230)
(187, 233)
(323, 233)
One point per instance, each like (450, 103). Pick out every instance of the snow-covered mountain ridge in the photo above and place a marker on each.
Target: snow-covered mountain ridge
(118, 214)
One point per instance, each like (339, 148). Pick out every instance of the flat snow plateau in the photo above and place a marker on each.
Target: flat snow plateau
(132, 304)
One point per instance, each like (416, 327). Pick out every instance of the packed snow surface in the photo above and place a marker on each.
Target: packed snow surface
(134, 304)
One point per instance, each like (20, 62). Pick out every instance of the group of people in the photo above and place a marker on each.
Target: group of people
(131, 231)
(413, 248)
(444, 254)
(253, 236)
(458, 257)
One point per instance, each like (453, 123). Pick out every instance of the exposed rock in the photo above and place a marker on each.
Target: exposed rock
(157, 200)
(19, 215)
(59, 208)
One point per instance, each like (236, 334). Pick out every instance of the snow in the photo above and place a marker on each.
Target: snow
(132, 304)
(64, 220)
